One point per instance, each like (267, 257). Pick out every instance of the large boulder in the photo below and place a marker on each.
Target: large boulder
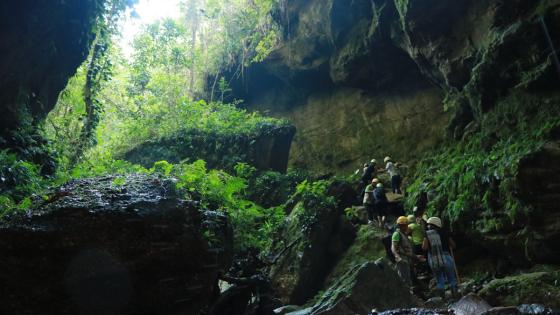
(372, 285)
(537, 287)
(312, 241)
(367, 247)
(113, 245)
(538, 180)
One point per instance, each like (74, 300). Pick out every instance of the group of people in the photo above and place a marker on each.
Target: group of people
(418, 237)
(374, 199)
(370, 171)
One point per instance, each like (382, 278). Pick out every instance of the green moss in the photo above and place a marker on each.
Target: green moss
(538, 287)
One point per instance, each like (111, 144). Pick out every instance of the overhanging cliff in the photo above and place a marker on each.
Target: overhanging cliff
(43, 43)
(369, 78)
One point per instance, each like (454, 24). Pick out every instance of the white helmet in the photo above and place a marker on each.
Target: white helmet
(435, 221)
(386, 159)
(373, 161)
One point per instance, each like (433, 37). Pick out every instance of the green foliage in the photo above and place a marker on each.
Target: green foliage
(119, 104)
(476, 180)
(314, 199)
(270, 188)
(253, 224)
(314, 194)
(19, 180)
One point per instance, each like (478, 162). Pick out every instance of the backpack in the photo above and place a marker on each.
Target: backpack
(437, 261)
(379, 195)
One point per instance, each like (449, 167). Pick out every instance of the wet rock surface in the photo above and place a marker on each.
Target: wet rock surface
(112, 246)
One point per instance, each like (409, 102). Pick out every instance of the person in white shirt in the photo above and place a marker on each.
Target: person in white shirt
(396, 179)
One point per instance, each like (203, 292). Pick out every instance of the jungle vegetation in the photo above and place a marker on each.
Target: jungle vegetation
(172, 81)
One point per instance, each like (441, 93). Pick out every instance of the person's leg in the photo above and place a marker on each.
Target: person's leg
(399, 182)
(403, 269)
(450, 273)
(394, 184)
(439, 275)
(369, 210)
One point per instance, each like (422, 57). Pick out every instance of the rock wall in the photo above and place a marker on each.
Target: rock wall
(43, 43)
(347, 72)
(340, 130)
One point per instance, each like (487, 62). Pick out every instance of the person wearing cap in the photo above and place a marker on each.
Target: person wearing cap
(368, 201)
(420, 218)
(402, 250)
(369, 171)
(438, 244)
(391, 168)
(380, 203)
(416, 234)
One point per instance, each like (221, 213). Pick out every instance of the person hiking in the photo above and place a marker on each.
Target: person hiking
(369, 200)
(402, 250)
(438, 245)
(380, 203)
(419, 268)
(368, 172)
(421, 218)
(396, 178)
(416, 234)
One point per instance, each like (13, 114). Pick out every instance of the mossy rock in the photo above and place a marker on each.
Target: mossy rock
(367, 247)
(538, 287)
(364, 287)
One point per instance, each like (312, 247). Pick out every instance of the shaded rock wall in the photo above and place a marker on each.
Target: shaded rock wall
(96, 247)
(346, 127)
(465, 54)
(43, 43)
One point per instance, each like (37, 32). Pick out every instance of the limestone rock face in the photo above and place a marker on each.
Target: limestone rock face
(347, 72)
(96, 247)
(342, 129)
